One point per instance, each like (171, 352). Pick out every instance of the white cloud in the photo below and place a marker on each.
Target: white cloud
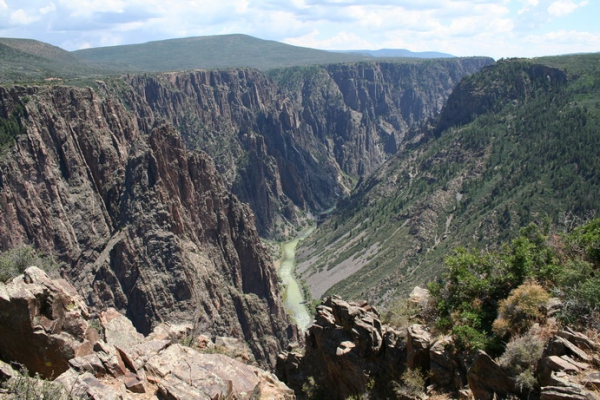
(83, 8)
(529, 5)
(48, 9)
(561, 8)
(574, 39)
(462, 27)
(20, 17)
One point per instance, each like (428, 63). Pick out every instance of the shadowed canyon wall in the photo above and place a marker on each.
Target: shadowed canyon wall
(298, 139)
(112, 179)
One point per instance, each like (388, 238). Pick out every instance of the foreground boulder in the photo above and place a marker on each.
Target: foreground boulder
(43, 323)
(348, 352)
(160, 365)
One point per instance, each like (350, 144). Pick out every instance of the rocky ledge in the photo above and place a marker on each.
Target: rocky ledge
(350, 352)
(46, 329)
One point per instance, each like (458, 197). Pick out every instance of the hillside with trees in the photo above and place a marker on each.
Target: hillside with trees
(516, 143)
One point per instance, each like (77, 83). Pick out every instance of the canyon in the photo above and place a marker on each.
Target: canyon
(115, 180)
(155, 193)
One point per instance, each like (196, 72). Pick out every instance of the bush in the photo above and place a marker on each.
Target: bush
(401, 313)
(413, 383)
(520, 358)
(586, 240)
(523, 307)
(22, 387)
(13, 262)
(492, 292)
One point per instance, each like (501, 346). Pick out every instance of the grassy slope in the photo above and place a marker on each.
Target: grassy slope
(207, 52)
(26, 60)
(531, 155)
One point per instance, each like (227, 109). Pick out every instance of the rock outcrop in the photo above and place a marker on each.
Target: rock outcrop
(140, 223)
(349, 352)
(43, 323)
(47, 330)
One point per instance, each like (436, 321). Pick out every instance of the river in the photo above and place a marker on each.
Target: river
(293, 299)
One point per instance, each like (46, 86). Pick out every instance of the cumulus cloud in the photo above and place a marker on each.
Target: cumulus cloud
(461, 27)
(48, 9)
(21, 17)
(564, 7)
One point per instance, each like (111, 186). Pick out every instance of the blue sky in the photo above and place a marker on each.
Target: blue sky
(505, 28)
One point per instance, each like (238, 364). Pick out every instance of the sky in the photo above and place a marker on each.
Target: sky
(500, 29)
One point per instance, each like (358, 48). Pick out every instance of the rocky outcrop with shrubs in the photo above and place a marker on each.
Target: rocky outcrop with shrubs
(519, 322)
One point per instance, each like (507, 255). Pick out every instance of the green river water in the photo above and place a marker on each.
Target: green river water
(293, 299)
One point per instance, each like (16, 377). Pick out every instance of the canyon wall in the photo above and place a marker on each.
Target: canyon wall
(140, 223)
(297, 139)
(129, 182)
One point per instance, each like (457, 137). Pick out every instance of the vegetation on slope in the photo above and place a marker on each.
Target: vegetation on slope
(210, 52)
(519, 145)
(486, 297)
(15, 261)
(31, 60)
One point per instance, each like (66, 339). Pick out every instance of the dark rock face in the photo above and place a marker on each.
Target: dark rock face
(142, 224)
(473, 97)
(288, 144)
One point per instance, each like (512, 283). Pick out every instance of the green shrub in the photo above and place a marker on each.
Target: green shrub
(526, 380)
(11, 127)
(467, 337)
(586, 239)
(413, 383)
(401, 313)
(23, 387)
(312, 390)
(13, 262)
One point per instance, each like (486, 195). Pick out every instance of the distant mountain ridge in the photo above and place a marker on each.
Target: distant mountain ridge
(27, 59)
(210, 52)
(393, 53)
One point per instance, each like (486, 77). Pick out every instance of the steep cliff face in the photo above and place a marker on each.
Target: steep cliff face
(296, 140)
(101, 178)
(489, 91)
(141, 223)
